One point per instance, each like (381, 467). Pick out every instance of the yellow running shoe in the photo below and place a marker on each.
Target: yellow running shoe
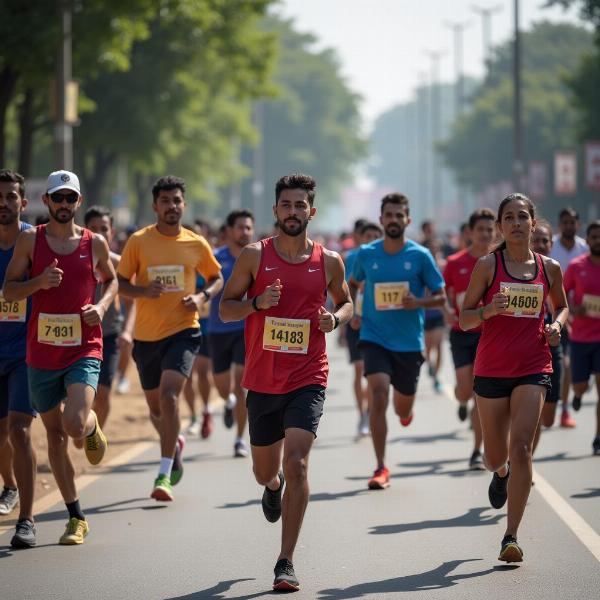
(74, 533)
(95, 444)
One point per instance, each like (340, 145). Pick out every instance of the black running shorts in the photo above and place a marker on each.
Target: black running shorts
(269, 415)
(226, 349)
(463, 345)
(353, 338)
(502, 387)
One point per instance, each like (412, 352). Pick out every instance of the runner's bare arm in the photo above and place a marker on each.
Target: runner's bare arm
(92, 313)
(14, 288)
(470, 316)
(195, 301)
(558, 298)
(339, 292)
(437, 299)
(233, 307)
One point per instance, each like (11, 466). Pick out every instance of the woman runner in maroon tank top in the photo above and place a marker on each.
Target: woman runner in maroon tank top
(513, 363)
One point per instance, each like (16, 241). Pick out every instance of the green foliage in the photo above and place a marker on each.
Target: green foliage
(479, 149)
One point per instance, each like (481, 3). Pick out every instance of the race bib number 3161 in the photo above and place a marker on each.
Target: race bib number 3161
(286, 335)
(524, 299)
(171, 276)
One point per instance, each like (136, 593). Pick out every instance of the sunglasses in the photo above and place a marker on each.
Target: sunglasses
(57, 197)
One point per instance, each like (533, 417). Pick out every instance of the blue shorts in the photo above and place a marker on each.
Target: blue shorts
(585, 360)
(14, 389)
(48, 387)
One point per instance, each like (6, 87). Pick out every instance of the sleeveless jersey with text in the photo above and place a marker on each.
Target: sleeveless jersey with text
(513, 345)
(57, 335)
(285, 350)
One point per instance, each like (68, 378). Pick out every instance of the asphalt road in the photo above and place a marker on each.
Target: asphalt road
(431, 534)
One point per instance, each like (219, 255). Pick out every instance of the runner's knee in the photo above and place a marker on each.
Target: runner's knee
(520, 452)
(294, 469)
(264, 474)
(20, 435)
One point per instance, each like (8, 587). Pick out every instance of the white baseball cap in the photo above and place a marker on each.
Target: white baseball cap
(62, 180)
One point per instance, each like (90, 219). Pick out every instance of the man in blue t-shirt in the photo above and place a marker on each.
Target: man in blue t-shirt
(16, 412)
(226, 340)
(394, 272)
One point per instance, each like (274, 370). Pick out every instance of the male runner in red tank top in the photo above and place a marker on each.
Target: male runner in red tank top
(280, 285)
(64, 336)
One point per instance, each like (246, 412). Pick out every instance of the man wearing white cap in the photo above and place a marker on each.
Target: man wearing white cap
(64, 336)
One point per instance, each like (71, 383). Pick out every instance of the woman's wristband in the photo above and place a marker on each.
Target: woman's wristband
(480, 313)
(559, 324)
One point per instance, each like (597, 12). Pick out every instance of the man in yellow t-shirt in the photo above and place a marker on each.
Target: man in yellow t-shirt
(164, 259)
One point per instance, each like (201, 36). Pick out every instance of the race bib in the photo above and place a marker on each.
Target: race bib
(171, 276)
(592, 306)
(286, 335)
(358, 303)
(59, 330)
(204, 310)
(524, 299)
(388, 296)
(15, 312)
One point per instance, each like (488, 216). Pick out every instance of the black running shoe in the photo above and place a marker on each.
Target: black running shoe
(271, 501)
(596, 446)
(285, 578)
(25, 535)
(228, 417)
(576, 403)
(497, 492)
(510, 551)
(476, 461)
(463, 412)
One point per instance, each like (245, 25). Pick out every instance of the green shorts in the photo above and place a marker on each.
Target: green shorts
(48, 387)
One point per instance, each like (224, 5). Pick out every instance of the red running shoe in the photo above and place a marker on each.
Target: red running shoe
(380, 479)
(407, 421)
(566, 420)
(207, 426)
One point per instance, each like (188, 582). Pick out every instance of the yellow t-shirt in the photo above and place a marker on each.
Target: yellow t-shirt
(148, 254)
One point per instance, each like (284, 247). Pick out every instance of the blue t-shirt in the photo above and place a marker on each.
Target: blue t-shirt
(13, 336)
(215, 325)
(397, 330)
(349, 262)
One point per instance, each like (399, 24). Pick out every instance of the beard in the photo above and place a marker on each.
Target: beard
(595, 250)
(7, 217)
(242, 242)
(394, 231)
(297, 226)
(62, 215)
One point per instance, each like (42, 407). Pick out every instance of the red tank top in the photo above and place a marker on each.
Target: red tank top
(514, 345)
(285, 350)
(57, 336)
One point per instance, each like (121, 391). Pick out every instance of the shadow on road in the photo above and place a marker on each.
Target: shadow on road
(60, 515)
(474, 517)
(452, 436)
(435, 579)
(216, 592)
(591, 493)
(321, 497)
(559, 456)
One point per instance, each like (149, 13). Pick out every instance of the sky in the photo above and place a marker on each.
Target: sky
(382, 44)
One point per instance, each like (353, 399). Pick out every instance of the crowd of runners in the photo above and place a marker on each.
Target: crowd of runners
(198, 310)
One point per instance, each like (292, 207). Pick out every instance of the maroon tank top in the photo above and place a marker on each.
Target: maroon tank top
(285, 350)
(57, 336)
(514, 345)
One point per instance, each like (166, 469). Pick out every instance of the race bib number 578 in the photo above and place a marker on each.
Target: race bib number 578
(13, 311)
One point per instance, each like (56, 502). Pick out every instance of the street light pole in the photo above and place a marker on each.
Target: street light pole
(517, 104)
(486, 14)
(63, 129)
(458, 29)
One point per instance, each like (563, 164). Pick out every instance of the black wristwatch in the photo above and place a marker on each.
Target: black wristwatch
(255, 304)
(337, 321)
(206, 295)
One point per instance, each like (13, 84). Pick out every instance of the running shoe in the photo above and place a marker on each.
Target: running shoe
(364, 428)
(74, 533)
(95, 444)
(271, 501)
(240, 449)
(380, 479)
(437, 386)
(406, 421)
(510, 551)
(193, 429)
(24, 535)
(576, 403)
(228, 417)
(596, 446)
(123, 386)
(497, 492)
(476, 461)
(8, 500)
(207, 426)
(566, 420)
(463, 412)
(177, 470)
(285, 578)
(163, 490)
